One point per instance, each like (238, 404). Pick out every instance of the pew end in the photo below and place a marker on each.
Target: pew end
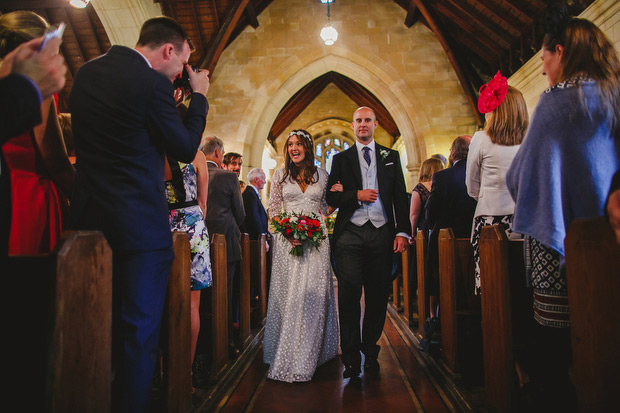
(593, 276)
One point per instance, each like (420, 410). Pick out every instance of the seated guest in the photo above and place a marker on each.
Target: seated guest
(490, 154)
(448, 206)
(232, 162)
(255, 222)
(40, 172)
(562, 173)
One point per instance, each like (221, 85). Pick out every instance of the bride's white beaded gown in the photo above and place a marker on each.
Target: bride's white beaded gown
(301, 331)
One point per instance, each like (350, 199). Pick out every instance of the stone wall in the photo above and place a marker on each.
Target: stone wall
(406, 68)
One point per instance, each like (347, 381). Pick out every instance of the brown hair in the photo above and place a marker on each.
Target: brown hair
(508, 122)
(19, 27)
(160, 30)
(428, 168)
(307, 172)
(587, 51)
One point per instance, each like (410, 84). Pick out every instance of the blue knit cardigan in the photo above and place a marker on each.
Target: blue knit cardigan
(564, 167)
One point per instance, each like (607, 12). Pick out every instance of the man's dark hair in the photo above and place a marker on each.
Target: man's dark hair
(230, 156)
(460, 146)
(161, 30)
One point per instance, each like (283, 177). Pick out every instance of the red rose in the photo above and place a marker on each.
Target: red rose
(288, 231)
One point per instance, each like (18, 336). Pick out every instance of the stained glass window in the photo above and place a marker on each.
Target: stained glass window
(317, 163)
(319, 150)
(328, 142)
(345, 145)
(336, 141)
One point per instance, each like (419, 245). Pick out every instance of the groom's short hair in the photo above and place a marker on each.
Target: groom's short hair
(365, 107)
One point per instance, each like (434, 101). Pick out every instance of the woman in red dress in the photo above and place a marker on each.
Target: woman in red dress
(40, 171)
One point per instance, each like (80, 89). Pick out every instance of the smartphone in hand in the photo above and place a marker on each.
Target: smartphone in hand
(52, 34)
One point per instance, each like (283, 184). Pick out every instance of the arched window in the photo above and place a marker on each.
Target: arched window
(327, 146)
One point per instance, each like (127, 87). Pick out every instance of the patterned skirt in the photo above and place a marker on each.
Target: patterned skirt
(190, 220)
(504, 221)
(548, 278)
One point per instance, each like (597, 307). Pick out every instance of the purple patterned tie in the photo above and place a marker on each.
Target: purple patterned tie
(366, 151)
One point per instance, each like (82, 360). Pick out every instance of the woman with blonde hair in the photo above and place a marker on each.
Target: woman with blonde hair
(562, 173)
(491, 152)
(41, 174)
(419, 196)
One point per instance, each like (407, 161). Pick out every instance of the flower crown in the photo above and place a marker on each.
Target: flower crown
(301, 133)
(493, 93)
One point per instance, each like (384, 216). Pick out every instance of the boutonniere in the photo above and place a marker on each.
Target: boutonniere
(383, 154)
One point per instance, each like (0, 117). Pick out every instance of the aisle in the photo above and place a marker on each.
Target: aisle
(403, 384)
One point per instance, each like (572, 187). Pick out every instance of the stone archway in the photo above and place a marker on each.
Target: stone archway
(390, 88)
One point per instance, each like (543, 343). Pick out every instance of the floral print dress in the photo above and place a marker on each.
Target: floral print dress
(187, 216)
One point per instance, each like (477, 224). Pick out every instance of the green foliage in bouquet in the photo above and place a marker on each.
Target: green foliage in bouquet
(303, 227)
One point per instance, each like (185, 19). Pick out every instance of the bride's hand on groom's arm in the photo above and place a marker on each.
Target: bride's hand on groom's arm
(337, 187)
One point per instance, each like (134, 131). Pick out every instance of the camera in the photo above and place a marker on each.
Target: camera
(183, 81)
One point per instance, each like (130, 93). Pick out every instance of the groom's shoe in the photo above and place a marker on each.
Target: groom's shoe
(371, 366)
(351, 370)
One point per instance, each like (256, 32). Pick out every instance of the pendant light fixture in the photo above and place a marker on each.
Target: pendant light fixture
(329, 34)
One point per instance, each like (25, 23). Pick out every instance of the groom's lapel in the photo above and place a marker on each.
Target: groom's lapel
(354, 161)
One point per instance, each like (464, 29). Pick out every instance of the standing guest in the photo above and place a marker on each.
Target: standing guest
(448, 206)
(420, 194)
(301, 331)
(241, 186)
(186, 192)
(232, 162)
(40, 172)
(491, 152)
(372, 224)
(255, 222)
(124, 119)
(562, 173)
(224, 216)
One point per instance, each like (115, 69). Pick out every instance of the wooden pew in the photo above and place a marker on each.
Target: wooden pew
(62, 315)
(505, 301)
(258, 273)
(176, 325)
(457, 298)
(421, 255)
(593, 275)
(244, 289)
(219, 304)
(402, 281)
(407, 286)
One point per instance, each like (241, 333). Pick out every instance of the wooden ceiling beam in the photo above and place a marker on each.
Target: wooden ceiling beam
(437, 28)
(413, 14)
(216, 14)
(90, 12)
(80, 47)
(485, 25)
(251, 13)
(33, 4)
(363, 97)
(200, 46)
(218, 43)
(497, 13)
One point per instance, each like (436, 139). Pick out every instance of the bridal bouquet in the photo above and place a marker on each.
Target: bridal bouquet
(303, 227)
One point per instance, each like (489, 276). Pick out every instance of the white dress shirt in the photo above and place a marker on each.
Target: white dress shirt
(373, 212)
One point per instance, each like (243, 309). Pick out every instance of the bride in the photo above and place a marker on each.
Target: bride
(301, 332)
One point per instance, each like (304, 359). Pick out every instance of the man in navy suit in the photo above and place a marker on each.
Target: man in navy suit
(124, 120)
(448, 206)
(372, 224)
(255, 222)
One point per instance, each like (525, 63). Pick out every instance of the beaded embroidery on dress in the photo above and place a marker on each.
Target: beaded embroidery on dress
(301, 331)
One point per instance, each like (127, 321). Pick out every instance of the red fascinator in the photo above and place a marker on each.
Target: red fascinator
(492, 94)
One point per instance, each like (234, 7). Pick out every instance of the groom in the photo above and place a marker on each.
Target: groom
(372, 224)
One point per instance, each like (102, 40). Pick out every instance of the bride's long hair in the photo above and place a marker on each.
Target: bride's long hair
(306, 172)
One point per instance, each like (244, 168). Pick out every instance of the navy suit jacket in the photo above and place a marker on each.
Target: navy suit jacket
(449, 205)
(346, 169)
(255, 222)
(124, 119)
